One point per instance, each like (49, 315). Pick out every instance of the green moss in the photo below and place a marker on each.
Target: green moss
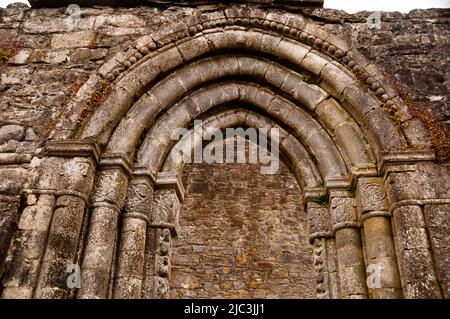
(5, 55)
(351, 191)
(8, 48)
(103, 147)
(321, 199)
(308, 77)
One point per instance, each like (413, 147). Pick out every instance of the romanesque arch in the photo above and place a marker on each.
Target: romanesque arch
(281, 71)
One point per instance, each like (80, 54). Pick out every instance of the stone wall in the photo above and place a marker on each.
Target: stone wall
(50, 64)
(243, 235)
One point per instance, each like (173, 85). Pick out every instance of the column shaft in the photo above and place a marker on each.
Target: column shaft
(130, 266)
(383, 279)
(351, 269)
(108, 200)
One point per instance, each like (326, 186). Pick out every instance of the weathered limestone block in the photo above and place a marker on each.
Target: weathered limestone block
(414, 255)
(11, 132)
(335, 79)
(28, 247)
(331, 113)
(130, 268)
(315, 62)
(357, 151)
(416, 134)
(437, 218)
(421, 181)
(73, 40)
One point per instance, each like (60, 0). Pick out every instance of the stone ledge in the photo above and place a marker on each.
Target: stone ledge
(171, 181)
(73, 149)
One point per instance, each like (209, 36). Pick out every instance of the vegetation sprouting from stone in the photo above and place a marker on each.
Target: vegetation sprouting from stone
(351, 191)
(439, 136)
(95, 101)
(321, 199)
(8, 48)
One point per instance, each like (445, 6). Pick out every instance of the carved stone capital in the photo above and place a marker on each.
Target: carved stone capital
(371, 195)
(343, 210)
(171, 181)
(73, 149)
(166, 207)
(140, 197)
(319, 221)
(111, 187)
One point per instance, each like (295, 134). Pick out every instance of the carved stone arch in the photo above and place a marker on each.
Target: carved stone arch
(158, 142)
(306, 171)
(351, 97)
(178, 48)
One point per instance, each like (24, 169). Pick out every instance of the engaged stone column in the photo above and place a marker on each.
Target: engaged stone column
(50, 226)
(410, 188)
(28, 246)
(9, 212)
(324, 249)
(414, 251)
(108, 200)
(349, 249)
(136, 218)
(383, 279)
(161, 231)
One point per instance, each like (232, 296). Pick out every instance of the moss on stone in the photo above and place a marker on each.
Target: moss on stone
(321, 199)
(94, 102)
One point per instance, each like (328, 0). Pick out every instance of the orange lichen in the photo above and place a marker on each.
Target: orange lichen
(439, 137)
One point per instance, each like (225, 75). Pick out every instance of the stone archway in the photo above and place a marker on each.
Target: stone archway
(243, 234)
(336, 109)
